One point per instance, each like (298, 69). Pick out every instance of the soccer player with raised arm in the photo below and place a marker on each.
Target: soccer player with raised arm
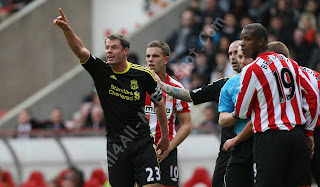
(122, 88)
(157, 56)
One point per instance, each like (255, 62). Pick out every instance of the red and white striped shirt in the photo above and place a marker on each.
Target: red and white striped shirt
(270, 92)
(173, 106)
(314, 78)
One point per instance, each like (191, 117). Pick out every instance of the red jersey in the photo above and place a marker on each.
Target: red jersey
(173, 106)
(314, 78)
(270, 92)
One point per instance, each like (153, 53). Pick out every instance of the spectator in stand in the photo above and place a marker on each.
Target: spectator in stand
(282, 8)
(259, 11)
(230, 29)
(25, 124)
(312, 7)
(308, 24)
(97, 118)
(73, 178)
(244, 21)
(279, 30)
(239, 8)
(212, 11)
(185, 37)
(300, 48)
(210, 123)
(224, 43)
(202, 67)
(195, 7)
(314, 61)
(223, 68)
(55, 122)
(78, 122)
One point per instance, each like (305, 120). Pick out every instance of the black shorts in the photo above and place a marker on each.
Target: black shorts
(169, 170)
(281, 158)
(133, 162)
(220, 169)
(240, 166)
(315, 163)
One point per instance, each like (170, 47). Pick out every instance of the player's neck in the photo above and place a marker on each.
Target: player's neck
(119, 67)
(163, 76)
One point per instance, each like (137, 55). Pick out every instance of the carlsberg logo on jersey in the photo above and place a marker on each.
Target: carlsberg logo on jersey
(150, 110)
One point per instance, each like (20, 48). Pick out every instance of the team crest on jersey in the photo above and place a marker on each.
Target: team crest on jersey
(113, 77)
(169, 97)
(134, 84)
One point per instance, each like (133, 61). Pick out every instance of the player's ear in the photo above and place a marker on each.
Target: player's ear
(166, 59)
(126, 51)
(261, 42)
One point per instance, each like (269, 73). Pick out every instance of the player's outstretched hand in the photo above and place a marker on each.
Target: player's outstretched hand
(157, 78)
(163, 145)
(61, 21)
(229, 144)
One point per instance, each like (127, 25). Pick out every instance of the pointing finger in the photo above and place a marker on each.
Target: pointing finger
(62, 14)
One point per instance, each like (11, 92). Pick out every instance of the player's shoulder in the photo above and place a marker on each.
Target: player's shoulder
(140, 68)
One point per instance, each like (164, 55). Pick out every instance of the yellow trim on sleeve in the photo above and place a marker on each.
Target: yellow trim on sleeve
(144, 69)
(86, 60)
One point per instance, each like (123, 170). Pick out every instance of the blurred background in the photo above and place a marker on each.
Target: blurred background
(51, 122)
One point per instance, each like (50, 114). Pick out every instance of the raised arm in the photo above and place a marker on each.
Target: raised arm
(73, 40)
(161, 114)
(179, 93)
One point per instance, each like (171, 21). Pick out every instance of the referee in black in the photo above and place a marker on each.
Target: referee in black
(122, 88)
(210, 93)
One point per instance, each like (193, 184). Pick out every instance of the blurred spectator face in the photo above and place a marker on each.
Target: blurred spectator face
(245, 21)
(211, 4)
(156, 60)
(196, 81)
(56, 116)
(243, 61)
(282, 5)
(78, 120)
(52, 184)
(201, 60)
(298, 36)
(97, 114)
(221, 60)
(311, 6)
(233, 50)
(230, 20)
(224, 44)
(187, 19)
(307, 22)
(297, 4)
(239, 3)
(24, 117)
(276, 23)
(195, 4)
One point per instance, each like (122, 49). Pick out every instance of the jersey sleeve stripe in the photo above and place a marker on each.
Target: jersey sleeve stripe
(143, 69)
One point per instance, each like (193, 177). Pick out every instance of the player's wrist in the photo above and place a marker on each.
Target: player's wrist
(234, 115)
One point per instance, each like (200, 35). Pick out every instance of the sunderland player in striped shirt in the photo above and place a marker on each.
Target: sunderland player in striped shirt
(270, 94)
(122, 88)
(157, 56)
(239, 169)
(314, 77)
(210, 93)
